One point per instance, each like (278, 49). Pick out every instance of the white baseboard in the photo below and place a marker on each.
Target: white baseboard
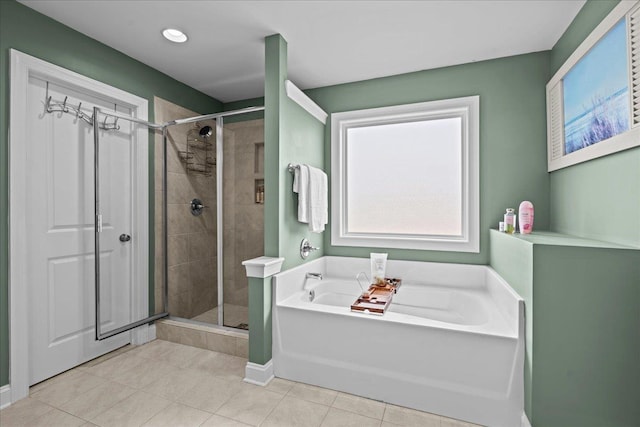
(143, 334)
(258, 374)
(152, 332)
(525, 421)
(5, 396)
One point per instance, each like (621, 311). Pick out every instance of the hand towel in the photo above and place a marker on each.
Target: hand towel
(318, 200)
(301, 186)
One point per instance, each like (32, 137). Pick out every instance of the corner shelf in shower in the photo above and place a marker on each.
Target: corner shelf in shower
(199, 156)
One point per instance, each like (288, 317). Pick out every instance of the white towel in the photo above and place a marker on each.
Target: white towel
(318, 200)
(301, 186)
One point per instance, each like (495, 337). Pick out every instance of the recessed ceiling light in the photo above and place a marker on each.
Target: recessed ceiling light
(174, 35)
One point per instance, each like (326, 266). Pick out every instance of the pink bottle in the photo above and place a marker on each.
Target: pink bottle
(525, 217)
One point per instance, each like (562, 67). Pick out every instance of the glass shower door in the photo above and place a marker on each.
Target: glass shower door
(243, 193)
(117, 289)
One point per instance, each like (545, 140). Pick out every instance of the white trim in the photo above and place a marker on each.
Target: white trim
(5, 396)
(18, 308)
(300, 98)
(524, 421)
(142, 334)
(623, 141)
(23, 66)
(152, 332)
(263, 266)
(467, 109)
(258, 374)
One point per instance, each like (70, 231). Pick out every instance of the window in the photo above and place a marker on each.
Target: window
(407, 176)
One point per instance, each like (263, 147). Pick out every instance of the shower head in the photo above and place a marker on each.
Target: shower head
(206, 131)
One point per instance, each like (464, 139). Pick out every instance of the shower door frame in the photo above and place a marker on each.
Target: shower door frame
(219, 118)
(99, 335)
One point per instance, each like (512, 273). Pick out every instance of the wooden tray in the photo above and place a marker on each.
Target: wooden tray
(377, 298)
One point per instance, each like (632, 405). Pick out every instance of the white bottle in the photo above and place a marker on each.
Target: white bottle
(510, 221)
(378, 267)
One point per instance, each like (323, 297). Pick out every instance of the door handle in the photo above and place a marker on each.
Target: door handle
(125, 237)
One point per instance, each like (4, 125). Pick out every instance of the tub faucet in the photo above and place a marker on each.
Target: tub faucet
(315, 276)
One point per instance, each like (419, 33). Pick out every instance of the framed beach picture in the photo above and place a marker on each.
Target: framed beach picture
(593, 101)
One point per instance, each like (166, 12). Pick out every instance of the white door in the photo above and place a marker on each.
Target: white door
(60, 232)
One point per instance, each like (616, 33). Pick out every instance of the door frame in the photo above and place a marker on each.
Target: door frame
(22, 67)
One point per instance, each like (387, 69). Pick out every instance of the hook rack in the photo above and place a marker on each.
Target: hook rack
(52, 106)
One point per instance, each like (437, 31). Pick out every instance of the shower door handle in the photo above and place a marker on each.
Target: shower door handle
(125, 237)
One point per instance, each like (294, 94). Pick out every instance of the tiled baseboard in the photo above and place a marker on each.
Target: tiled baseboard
(209, 338)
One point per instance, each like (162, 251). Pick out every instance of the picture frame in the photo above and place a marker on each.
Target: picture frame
(593, 100)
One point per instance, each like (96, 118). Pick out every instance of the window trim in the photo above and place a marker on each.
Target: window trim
(467, 108)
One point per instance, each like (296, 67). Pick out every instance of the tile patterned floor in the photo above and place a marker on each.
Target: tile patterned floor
(167, 384)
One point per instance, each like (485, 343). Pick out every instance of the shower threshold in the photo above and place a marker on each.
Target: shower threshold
(202, 335)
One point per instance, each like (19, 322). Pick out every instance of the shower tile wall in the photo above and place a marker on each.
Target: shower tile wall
(243, 217)
(191, 239)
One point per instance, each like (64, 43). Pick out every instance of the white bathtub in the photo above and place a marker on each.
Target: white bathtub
(451, 342)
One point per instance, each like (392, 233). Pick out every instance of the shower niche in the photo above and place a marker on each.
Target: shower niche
(199, 156)
(258, 172)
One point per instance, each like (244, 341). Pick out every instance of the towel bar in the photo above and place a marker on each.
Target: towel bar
(292, 168)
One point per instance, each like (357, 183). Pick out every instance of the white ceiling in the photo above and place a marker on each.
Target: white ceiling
(330, 42)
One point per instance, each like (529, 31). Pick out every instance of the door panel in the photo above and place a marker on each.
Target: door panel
(60, 238)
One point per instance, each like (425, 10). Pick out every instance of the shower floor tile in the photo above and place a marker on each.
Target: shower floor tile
(205, 389)
(235, 316)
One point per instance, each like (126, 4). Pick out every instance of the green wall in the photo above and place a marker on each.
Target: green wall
(245, 103)
(582, 297)
(513, 260)
(291, 136)
(598, 199)
(582, 314)
(512, 135)
(23, 29)
(591, 14)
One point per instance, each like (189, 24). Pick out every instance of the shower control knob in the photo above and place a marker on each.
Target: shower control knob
(306, 248)
(125, 237)
(196, 207)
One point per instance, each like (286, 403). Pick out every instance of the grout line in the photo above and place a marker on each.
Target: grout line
(274, 408)
(358, 413)
(226, 418)
(54, 408)
(334, 397)
(325, 415)
(384, 412)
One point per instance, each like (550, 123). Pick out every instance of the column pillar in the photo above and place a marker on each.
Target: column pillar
(259, 368)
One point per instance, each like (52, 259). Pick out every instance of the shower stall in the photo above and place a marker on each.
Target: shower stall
(209, 213)
(209, 196)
